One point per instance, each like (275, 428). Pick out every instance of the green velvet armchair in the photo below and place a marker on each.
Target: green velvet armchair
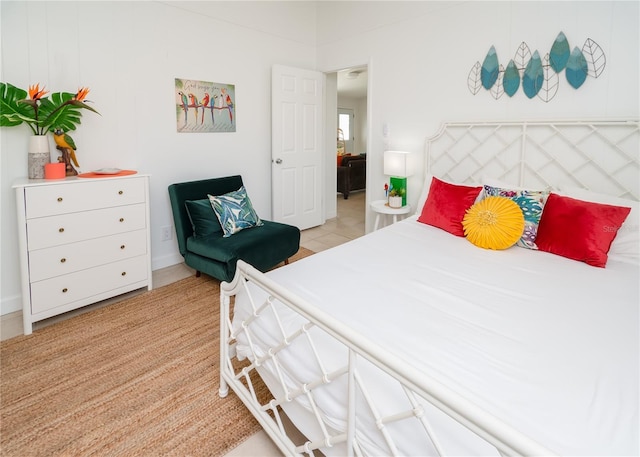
(210, 252)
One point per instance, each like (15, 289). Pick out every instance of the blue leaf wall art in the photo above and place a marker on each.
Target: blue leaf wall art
(577, 68)
(559, 53)
(490, 68)
(511, 79)
(538, 77)
(533, 76)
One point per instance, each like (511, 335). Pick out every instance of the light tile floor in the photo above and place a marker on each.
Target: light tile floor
(348, 225)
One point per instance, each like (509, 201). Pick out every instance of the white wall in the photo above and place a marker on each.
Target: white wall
(420, 54)
(129, 53)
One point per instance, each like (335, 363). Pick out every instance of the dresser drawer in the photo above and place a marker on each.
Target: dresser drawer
(67, 258)
(81, 241)
(70, 228)
(61, 290)
(77, 196)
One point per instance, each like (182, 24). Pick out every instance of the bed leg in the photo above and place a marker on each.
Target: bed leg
(198, 274)
(224, 348)
(223, 391)
(286, 261)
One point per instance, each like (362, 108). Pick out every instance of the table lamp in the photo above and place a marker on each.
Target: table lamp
(396, 165)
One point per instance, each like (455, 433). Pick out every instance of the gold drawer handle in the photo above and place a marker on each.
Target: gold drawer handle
(120, 192)
(124, 273)
(61, 229)
(122, 219)
(63, 260)
(122, 247)
(64, 291)
(59, 199)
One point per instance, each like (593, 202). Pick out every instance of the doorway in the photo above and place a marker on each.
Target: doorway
(352, 120)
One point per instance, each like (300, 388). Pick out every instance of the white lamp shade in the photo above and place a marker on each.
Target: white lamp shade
(396, 163)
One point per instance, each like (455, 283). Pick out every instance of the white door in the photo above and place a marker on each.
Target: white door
(296, 146)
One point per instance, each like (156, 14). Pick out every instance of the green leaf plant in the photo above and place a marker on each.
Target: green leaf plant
(62, 110)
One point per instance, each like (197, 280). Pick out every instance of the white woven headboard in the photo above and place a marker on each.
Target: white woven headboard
(602, 156)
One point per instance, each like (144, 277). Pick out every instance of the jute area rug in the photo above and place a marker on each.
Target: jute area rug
(136, 378)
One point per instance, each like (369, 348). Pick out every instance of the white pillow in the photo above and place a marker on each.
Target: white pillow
(425, 193)
(626, 245)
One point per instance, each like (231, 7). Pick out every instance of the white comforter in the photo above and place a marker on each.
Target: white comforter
(546, 344)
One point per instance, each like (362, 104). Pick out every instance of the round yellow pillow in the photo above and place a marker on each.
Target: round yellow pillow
(494, 223)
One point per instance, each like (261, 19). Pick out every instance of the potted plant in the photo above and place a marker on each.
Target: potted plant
(395, 198)
(43, 114)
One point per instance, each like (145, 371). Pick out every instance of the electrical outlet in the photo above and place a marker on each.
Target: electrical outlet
(165, 233)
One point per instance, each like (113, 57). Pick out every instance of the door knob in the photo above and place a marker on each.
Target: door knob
(278, 161)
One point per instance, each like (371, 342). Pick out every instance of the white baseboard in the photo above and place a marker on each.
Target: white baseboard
(165, 261)
(10, 304)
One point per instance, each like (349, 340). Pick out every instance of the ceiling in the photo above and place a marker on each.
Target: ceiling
(352, 82)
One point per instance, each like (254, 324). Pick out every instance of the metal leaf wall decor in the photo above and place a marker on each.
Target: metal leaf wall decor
(498, 88)
(595, 57)
(490, 69)
(577, 68)
(551, 80)
(533, 76)
(559, 53)
(511, 79)
(538, 77)
(473, 80)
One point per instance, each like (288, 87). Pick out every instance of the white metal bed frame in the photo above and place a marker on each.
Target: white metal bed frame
(600, 155)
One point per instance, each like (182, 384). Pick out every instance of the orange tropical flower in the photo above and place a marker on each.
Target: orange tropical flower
(35, 93)
(82, 93)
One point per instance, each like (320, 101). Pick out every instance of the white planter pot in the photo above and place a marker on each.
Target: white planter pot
(38, 156)
(395, 202)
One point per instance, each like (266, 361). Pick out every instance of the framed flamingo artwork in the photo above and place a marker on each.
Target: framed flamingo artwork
(203, 106)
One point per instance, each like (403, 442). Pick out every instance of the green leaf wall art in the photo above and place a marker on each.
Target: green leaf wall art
(539, 77)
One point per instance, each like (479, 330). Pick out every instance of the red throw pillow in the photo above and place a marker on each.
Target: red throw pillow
(579, 230)
(446, 205)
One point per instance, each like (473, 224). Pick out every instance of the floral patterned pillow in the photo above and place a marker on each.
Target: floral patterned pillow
(531, 202)
(234, 211)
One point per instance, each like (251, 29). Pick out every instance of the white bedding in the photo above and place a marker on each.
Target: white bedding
(546, 344)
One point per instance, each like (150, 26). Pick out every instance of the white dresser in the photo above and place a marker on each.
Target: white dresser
(82, 240)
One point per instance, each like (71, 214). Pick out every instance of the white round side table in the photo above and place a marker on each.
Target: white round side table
(381, 207)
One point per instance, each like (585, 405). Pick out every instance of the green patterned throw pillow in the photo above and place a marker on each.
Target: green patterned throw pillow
(234, 211)
(531, 202)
